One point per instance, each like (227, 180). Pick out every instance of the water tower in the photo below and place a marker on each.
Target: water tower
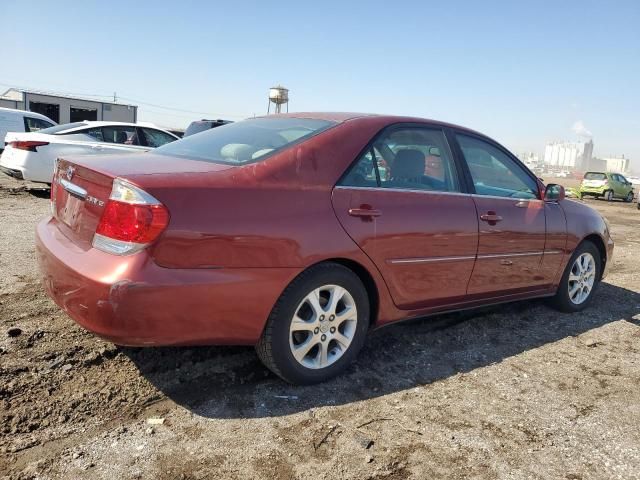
(278, 96)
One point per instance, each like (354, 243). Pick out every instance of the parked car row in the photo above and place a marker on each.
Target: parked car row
(32, 155)
(33, 142)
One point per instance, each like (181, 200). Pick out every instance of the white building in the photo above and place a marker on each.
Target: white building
(66, 109)
(530, 159)
(569, 155)
(617, 164)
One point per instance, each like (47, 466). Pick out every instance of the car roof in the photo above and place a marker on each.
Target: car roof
(341, 117)
(101, 123)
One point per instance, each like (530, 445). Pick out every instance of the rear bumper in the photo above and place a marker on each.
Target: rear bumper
(132, 301)
(12, 172)
(592, 190)
(30, 166)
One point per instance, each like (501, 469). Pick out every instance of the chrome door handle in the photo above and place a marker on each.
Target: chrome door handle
(364, 212)
(491, 218)
(522, 204)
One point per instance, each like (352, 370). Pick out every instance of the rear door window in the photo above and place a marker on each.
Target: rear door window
(156, 138)
(412, 158)
(124, 135)
(35, 124)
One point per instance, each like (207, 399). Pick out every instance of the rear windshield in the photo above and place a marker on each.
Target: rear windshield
(62, 128)
(594, 176)
(245, 142)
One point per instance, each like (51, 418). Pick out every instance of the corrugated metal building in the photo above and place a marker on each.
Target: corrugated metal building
(67, 109)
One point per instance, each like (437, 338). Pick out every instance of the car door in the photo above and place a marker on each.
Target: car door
(627, 186)
(403, 203)
(511, 216)
(615, 185)
(621, 188)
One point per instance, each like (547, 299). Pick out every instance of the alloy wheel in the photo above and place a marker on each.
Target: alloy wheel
(582, 278)
(323, 326)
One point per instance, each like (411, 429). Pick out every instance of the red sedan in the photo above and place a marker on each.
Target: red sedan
(299, 233)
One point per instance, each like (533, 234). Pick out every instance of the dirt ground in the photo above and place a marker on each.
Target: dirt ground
(517, 391)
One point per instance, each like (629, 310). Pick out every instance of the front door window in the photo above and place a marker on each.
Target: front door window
(494, 172)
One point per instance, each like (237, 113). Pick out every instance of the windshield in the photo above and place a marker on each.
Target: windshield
(62, 128)
(245, 142)
(594, 176)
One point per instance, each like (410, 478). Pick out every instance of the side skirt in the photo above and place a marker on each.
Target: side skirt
(467, 306)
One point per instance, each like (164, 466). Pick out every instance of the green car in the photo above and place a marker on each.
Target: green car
(607, 185)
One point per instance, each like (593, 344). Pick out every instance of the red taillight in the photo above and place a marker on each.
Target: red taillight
(29, 145)
(130, 222)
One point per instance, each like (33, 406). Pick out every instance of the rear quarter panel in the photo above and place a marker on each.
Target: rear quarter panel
(271, 214)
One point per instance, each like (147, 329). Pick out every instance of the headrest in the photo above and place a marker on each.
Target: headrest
(121, 137)
(408, 164)
(237, 151)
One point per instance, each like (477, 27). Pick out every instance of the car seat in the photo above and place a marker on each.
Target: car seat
(408, 169)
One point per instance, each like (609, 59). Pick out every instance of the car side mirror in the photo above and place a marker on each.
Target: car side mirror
(554, 193)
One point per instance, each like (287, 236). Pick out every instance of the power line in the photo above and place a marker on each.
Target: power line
(183, 110)
(141, 102)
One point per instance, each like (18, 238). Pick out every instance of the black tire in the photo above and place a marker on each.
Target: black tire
(608, 195)
(629, 197)
(274, 349)
(561, 300)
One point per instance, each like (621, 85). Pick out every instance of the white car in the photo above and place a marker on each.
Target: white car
(32, 156)
(12, 120)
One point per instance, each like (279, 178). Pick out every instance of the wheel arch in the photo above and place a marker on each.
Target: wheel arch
(599, 243)
(367, 280)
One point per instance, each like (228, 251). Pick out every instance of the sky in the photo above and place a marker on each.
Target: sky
(524, 73)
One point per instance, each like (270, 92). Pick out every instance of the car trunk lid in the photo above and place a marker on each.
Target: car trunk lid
(82, 185)
(594, 183)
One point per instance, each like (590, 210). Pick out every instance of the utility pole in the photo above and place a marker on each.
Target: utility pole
(115, 97)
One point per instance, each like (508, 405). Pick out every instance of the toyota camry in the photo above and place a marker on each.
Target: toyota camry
(299, 233)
